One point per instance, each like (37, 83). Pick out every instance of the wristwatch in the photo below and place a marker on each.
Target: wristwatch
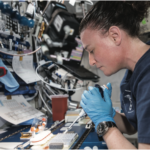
(103, 127)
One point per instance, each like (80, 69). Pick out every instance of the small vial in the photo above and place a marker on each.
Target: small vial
(10, 44)
(40, 128)
(33, 131)
(37, 131)
(43, 119)
(43, 122)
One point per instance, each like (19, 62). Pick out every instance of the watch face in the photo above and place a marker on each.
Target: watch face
(101, 128)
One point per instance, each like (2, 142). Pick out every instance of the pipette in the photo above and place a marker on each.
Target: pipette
(82, 113)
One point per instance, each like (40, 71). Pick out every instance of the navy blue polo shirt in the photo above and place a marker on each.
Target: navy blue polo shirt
(135, 97)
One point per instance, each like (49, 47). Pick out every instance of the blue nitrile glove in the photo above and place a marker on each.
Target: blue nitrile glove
(96, 108)
(109, 92)
(8, 80)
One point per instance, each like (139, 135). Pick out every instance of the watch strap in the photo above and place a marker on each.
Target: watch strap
(111, 124)
(100, 138)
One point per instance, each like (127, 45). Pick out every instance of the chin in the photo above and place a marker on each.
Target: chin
(108, 73)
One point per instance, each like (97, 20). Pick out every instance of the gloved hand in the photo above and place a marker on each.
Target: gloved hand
(95, 106)
(109, 92)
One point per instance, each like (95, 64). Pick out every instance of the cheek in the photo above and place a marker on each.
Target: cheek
(100, 57)
(97, 56)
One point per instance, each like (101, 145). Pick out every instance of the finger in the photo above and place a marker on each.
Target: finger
(90, 88)
(109, 86)
(82, 104)
(87, 94)
(94, 91)
(106, 96)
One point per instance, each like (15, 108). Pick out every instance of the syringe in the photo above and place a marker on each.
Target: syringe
(82, 113)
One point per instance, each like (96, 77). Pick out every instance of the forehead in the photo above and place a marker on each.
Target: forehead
(87, 34)
(90, 37)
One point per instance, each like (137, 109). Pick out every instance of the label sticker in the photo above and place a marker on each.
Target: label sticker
(58, 23)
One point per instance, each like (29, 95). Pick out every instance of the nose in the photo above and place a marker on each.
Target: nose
(92, 61)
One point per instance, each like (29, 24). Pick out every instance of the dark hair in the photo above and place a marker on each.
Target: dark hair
(125, 14)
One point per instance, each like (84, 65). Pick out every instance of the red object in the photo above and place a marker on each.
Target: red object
(59, 106)
(3, 71)
(43, 119)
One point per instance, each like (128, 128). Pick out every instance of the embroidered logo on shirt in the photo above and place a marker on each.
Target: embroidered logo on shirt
(130, 106)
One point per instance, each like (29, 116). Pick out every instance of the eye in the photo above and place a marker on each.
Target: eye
(91, 52)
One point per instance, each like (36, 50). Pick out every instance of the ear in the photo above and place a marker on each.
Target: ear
(115, 35)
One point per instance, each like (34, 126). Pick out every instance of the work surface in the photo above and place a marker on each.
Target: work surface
(11, 138)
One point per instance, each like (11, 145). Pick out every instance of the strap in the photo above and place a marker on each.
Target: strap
(111, 124)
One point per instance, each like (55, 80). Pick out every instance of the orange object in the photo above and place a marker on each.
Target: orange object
(37, 130)
(32, 129)
(42, 28)
(43, 119)
(43, 124)
(46, 147)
